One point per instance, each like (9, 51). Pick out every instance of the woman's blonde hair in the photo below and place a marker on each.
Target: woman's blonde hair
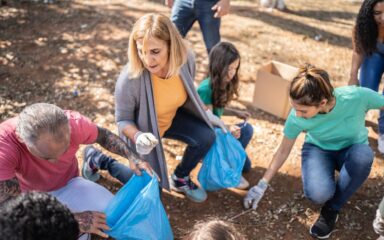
(311, 86)
(158, 26)
(214, 230)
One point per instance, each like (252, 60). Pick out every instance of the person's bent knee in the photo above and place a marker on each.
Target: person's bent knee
(318, 195)
(248, 131)
(209, 138)
(361, 156)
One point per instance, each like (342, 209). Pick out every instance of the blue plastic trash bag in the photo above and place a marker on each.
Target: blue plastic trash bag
(222, 166)
(136, 211)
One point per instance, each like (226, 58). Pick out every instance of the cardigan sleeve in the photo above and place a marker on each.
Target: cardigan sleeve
(191, 64)
(126, 98)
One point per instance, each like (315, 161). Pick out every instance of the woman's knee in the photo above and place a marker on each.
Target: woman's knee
(319, 194)
(247, 131)
(360, 156)
(208, 137)
(318, 188)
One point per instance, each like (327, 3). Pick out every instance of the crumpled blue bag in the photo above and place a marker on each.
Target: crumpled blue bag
(136, 211)
(222, 166)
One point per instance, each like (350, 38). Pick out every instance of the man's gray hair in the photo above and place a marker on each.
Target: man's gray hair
(40, 118)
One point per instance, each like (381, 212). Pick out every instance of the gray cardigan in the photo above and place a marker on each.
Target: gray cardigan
(134, 104)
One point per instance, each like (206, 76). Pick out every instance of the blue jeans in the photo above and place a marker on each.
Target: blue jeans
(318, 173)
(186, 128)
(371, 70)
(196, 134)
(186, 12)
(245, 137)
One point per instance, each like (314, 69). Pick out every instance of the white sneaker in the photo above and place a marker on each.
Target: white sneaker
(244, 184)
(380, 143)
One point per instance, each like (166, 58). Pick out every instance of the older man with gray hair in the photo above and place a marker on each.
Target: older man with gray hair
(38, 152)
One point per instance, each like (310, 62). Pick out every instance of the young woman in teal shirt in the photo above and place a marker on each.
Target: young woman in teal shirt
(336, 140)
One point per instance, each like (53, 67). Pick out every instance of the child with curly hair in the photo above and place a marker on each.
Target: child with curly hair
(214, 230)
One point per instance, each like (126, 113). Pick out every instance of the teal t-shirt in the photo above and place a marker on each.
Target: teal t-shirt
(341, 127)
(205, 92)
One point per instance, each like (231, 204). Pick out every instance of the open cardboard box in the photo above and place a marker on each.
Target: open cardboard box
(271, 88)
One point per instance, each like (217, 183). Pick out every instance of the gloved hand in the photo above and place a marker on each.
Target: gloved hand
(255, 194)
(216, 121)
(145, 142)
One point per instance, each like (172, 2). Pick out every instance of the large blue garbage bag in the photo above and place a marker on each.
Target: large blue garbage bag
(136, 211)
(223, 164)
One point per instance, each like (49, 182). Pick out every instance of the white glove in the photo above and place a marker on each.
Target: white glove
(145, 142)
(216, 121)
(255, 194)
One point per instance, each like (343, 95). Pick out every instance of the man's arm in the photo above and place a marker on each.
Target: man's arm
(8, 189)
(115, 144)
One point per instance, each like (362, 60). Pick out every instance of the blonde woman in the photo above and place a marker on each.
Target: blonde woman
(155, 98)
(336, 140)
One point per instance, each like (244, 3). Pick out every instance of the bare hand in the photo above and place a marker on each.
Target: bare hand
(221, 8)
(353, 81)
(138, 165)
(235, 130)
(92, 222)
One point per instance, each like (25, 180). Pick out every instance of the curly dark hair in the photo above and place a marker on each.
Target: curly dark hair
(366, 29)
(221, 56)
(213, 230)
(37, 216)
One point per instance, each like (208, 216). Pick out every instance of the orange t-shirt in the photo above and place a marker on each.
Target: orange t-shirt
(169, 94)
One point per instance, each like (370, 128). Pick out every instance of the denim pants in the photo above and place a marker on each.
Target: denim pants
(186, 12)
(371, 70)
(196, 134)
(116, 169)
(186, 128)
(318, 173)
(245, 137)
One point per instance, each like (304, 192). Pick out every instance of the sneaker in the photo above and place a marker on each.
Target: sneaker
(186, 186)
(325, 223)
(244, 184)
(89, 170)
(380, 143)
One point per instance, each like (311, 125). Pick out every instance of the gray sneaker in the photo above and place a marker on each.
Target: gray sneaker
(88, 170)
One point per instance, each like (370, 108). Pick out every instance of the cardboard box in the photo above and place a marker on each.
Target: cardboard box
(271, 88)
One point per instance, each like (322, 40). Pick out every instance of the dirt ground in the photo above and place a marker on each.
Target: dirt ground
(69, 53)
